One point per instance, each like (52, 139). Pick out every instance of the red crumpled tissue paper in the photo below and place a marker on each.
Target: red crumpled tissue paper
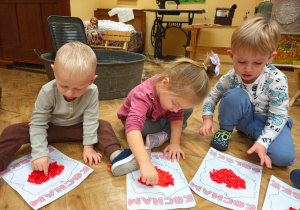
(228, 177)
(164, 178)
(291, 208)
(38, 177)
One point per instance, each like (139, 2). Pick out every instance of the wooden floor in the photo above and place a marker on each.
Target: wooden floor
(101, 190)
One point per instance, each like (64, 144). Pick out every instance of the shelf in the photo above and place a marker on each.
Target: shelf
(283, 65)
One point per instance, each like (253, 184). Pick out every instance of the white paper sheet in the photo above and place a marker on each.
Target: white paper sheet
(281, 196)
(230, 198)
(140, 196)
(37, 196)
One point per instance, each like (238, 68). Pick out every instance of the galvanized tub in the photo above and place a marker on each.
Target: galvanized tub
(118, 71)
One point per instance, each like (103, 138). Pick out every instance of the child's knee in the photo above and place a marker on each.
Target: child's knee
(11, 129)
(235, 99)
(188, 112)
(233, 96)
(104, 124)
(283, 159)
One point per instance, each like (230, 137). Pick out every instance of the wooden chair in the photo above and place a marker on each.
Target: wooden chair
(297, 77)
(110, 35)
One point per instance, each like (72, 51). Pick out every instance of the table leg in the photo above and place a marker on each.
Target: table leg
(294, 99)
(297, 94)
(194, 42)
(158, 31)
(188, 41)
(158, 41)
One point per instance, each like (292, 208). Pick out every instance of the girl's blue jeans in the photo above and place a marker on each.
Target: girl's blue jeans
(235, 110)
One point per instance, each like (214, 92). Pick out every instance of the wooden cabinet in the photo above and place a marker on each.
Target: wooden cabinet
(23, 27)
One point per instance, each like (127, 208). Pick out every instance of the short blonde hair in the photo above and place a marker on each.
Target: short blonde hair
(189, 79)
(76, 59)
(257, 34)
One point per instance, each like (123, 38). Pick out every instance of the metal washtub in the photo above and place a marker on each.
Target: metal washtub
(118, 71)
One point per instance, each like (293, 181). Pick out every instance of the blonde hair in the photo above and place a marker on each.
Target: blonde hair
(189, 79)
(257, 34)
(76, 60)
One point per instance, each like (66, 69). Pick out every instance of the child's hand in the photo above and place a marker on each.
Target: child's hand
(174, 151)
(262, 153)
(149, 174)
(207, 126)
(41, 164)
(89, 154)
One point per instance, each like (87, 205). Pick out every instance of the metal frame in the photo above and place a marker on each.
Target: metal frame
(158, 30)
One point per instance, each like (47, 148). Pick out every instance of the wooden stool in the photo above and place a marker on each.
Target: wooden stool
(110, 35)
(297, 77)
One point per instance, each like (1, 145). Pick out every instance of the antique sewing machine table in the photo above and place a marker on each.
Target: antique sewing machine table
(158, 30)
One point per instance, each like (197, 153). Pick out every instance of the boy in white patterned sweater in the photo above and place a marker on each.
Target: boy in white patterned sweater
(254, 96)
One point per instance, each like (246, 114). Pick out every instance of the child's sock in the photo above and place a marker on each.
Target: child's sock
(156, 139)
(125, 163)
(114, 154)
(220, 140)
(295, 177)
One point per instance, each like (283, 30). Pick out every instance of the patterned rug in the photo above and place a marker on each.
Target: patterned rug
(153, 66)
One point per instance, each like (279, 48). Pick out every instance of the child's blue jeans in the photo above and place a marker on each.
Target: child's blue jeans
(235, 110)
